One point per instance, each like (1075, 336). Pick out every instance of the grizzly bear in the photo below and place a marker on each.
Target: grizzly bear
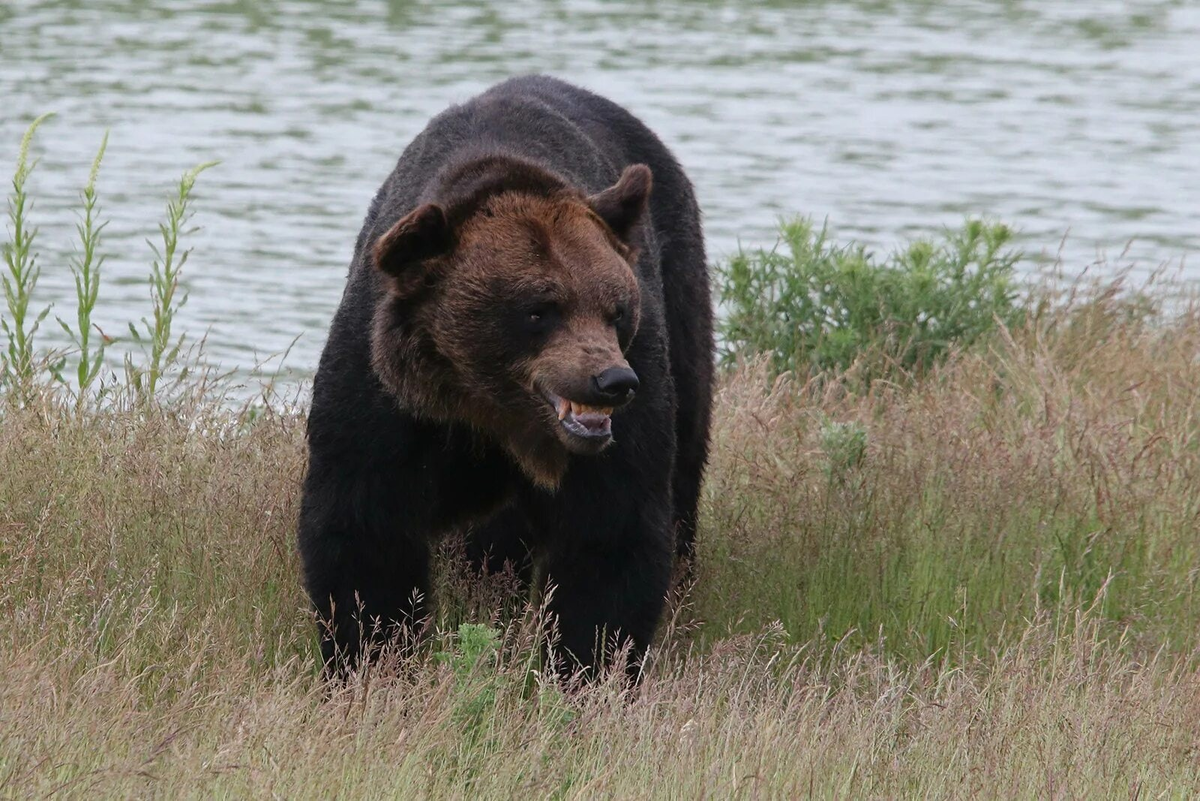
(524, 352)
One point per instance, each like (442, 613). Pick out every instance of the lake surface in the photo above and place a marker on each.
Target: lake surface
(889, 118)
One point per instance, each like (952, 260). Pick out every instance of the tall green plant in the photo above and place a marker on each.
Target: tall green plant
(161, 349)
(85, 268)
(20, 361)
(21, 277)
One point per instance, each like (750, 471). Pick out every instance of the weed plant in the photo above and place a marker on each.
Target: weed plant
(85, 269)
(20, 259)
(23, 362)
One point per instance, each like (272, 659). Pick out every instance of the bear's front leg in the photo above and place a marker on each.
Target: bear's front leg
(380, 486)
(608, 560)
(606, 596)
(366, 579)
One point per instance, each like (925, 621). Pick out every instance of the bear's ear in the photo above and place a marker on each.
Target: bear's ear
(623, 205)
(421, 234)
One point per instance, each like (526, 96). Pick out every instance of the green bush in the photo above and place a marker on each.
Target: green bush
(814, 306)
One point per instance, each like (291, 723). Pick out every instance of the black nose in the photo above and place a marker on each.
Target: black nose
(616, 384)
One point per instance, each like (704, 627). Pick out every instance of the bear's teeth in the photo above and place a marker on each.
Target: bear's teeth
(583, 408)
(575, 409)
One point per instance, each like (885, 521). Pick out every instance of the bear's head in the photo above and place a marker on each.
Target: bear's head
(509, 306)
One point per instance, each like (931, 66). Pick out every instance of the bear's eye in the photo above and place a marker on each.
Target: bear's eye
(617, 316)
(540, 317)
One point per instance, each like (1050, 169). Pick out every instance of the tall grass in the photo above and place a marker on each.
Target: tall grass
(1052, 470)
(996, 598)
(980, 581)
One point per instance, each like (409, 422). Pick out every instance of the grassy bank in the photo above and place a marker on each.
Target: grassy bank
(949, 547)
(990, 590)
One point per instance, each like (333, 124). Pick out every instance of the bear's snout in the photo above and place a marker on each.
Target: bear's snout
(616, 385)
(584, 406)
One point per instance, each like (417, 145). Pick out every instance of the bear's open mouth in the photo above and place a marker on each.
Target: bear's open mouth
(580, 420)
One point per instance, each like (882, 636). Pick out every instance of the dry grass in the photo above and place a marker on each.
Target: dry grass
(984, 582)
(1026, 477)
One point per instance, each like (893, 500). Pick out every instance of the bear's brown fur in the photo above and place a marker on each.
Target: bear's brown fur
(558, 251)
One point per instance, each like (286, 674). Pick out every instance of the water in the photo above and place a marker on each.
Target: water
(889, 118)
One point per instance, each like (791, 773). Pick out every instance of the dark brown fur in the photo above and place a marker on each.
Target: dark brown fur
(535, 250)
